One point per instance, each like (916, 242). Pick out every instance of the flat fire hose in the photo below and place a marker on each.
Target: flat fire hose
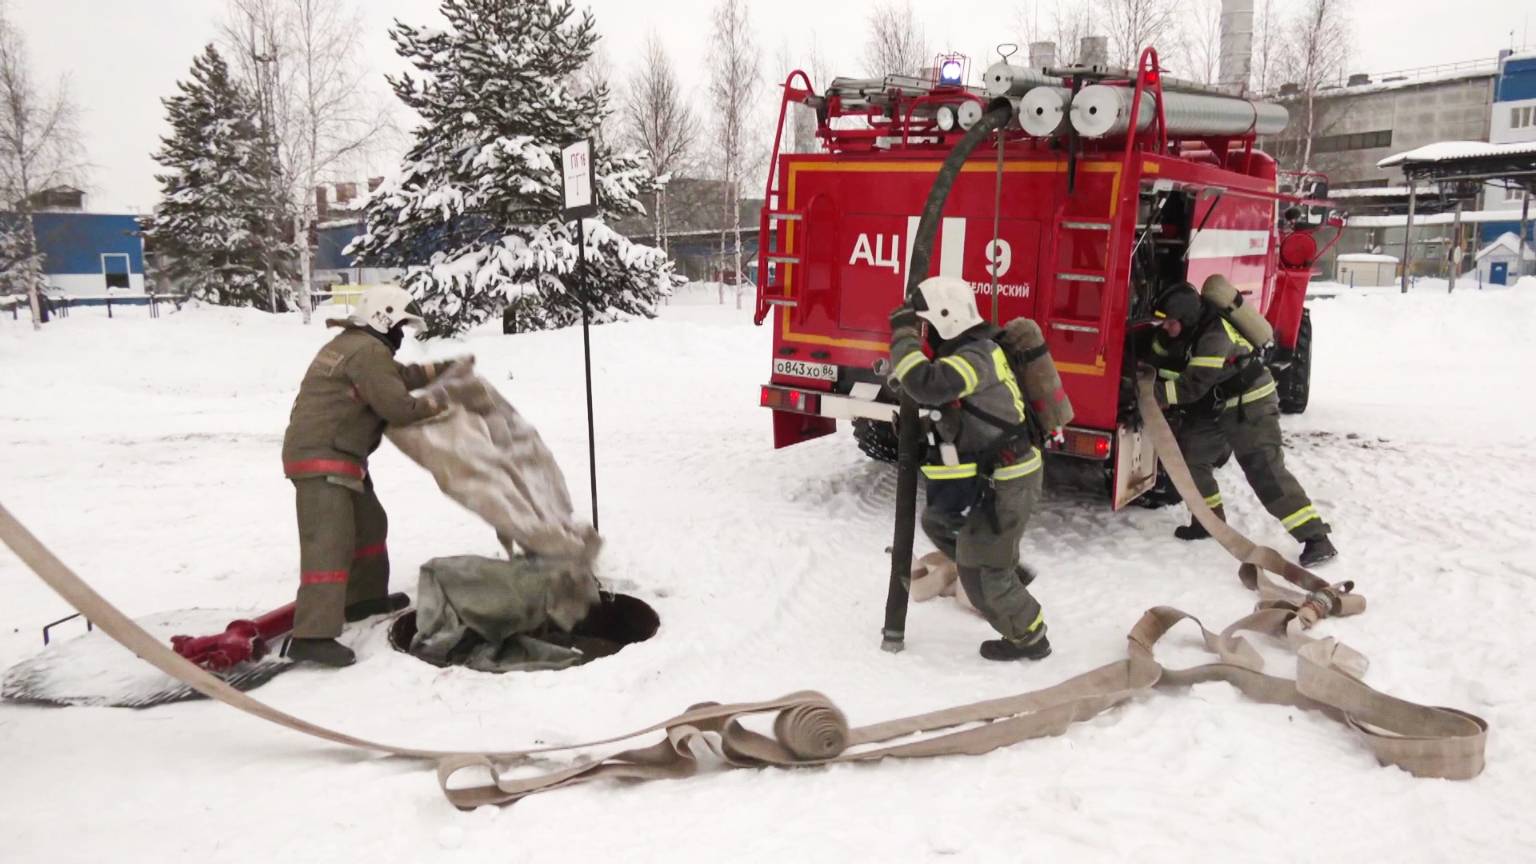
(808, 729)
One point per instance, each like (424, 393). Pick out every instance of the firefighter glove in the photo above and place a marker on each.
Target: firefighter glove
(903, 318)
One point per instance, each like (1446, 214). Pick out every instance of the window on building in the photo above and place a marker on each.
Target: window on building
(1339, 143)
(1525, 116)
(1519, 118)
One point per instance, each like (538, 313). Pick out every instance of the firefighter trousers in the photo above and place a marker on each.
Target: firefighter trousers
(1252, 434)
(987, 558)
(342, 554)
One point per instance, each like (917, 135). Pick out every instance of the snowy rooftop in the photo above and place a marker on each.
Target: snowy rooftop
(1418, 76)
(1506, 242)
(1448, 151)
(1378, 192)
(1366, 258)
(1398, 220)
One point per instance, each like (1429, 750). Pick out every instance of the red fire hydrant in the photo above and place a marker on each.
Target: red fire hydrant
(244, 639)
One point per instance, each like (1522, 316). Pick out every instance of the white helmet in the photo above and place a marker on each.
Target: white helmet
(382, 307)
(949, 304)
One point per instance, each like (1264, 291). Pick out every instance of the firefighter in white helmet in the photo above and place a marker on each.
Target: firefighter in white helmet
(984, 471)
(352, 390)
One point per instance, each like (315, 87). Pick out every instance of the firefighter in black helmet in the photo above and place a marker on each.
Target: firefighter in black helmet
(1225, 403)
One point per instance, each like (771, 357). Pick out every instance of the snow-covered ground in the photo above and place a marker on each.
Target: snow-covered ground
(145, 452)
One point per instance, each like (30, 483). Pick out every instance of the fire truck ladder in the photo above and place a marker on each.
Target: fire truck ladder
(774, 259)
(1102, 230)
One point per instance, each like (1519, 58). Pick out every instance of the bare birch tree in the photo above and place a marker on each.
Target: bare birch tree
(1137, 24)
(896, 44)
(658, 121)
(597, 72)
(39, 149)
(1267, 27)
(301, 58)
(1068, 22)
(1316, 49)
(735, 78)
(801, 118)
(1198, 43)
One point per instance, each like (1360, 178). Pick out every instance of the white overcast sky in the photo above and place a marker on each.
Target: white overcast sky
(121, 56)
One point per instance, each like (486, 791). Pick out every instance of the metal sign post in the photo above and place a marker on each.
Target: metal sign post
(579, 188)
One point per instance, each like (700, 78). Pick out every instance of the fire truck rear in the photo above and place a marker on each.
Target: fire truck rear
(1108, 187)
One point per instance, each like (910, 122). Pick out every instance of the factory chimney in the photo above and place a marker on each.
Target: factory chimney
(1236, 61)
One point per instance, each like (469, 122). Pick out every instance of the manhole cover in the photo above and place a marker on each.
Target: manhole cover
(616, 621)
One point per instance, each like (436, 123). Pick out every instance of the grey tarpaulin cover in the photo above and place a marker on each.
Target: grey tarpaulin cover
(502, 603)
(487, 457)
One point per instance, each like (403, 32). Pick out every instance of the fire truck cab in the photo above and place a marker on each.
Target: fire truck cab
(1078, 233)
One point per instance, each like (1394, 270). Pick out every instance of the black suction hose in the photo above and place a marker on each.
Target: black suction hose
(908, 434)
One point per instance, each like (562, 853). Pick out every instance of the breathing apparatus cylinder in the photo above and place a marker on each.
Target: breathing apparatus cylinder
(1226, 299)
(1025, 346)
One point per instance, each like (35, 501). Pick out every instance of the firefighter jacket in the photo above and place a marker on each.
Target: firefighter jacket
(971, 368)
(353, 388)
(1216, 367)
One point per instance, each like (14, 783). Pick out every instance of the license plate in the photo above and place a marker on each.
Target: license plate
(801, 369)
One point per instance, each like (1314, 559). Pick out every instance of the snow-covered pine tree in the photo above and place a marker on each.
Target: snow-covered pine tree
(473, 215)
(216, 230)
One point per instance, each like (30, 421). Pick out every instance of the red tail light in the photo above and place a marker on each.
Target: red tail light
(1083, 444)
(784, 399)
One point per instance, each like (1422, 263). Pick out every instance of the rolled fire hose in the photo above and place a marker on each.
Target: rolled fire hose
(998, 115)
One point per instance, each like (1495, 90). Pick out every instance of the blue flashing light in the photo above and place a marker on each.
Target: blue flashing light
(952, 72)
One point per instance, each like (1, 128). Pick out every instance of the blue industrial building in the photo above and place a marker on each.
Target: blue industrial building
(86, 253)
(1512, 121)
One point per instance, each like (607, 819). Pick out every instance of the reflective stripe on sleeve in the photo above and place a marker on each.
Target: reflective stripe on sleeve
(1168, 375)
(1171, 392)
(906, 364)
(1208, 362)
(967, 373)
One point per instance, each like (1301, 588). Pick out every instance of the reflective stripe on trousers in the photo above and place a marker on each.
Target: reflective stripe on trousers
(966, 470)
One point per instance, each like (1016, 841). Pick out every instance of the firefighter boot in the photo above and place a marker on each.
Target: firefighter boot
(1031, 646)
(1194, 530)
(376, 606)
(1317, 550)
(324, 652)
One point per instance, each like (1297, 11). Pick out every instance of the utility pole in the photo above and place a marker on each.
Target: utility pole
(1408, 233)
(1454, 259)
(1525, 228)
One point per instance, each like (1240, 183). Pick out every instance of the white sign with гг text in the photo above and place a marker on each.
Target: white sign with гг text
(576, 169)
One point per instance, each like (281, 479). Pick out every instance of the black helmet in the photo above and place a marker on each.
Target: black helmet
(1181, 303)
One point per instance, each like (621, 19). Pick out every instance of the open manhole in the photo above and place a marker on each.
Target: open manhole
(616, 621)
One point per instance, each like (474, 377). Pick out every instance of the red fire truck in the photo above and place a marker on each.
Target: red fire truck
(1078, 229)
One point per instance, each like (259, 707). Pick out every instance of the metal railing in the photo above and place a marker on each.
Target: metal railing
(60, 305)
